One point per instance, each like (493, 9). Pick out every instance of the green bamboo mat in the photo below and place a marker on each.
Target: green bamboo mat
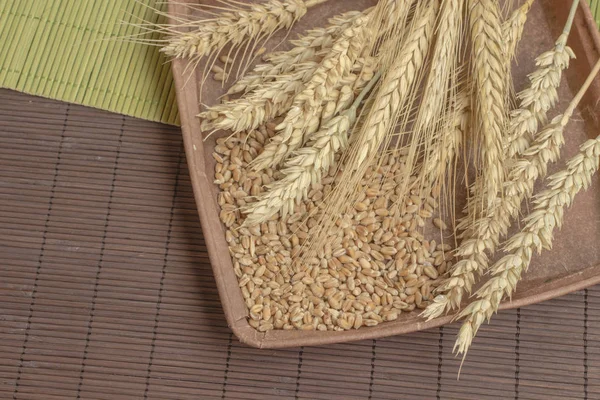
(595, 7)
(69, 50)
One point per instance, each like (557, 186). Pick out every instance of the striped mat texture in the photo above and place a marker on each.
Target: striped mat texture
(76, 51)
(106, 291)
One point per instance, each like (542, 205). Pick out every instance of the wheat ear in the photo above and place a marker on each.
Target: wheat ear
(490, 72)
(396, 87)
(303, 117)
(235, 27)
(447, 140)
(308, 47)
(483, 235)
(433, 127)
(541, 95)
(308, 163)
(537, 233)
(256, 108)
(512, 30)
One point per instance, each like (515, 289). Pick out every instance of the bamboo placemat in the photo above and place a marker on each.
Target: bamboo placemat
(106, 291)
(70, 50)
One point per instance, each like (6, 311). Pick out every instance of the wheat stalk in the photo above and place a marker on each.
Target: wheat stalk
(483, 233)
(303, 117)
(310, 47)
(541, 95)
(512, 30)
(309, 163)
(490, 72)
(537, 233)
(235, 27)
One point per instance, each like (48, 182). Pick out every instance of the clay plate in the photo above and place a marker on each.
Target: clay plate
(572, 265)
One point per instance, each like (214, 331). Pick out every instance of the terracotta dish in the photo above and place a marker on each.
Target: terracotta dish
(572, 265)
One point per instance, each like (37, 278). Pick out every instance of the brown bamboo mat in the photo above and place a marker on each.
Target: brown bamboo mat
(106, 291)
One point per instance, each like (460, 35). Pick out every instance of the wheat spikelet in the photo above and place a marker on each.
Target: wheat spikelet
(535, 236)
(303, 117)
(234, 28)
(301, 171)
(309, 47)
(490, 72)
(395, 88)
(443, 62)
(512, 30)
(447, 140)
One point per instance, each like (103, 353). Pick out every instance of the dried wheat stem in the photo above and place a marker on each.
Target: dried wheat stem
(235, 27)
(490, 72)
(310, 47)
(309, 163)
(303, 117)
(512, 30)
(537, 233)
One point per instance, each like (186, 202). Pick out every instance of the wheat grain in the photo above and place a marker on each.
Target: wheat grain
(363, 275)
(536, 235)
(303, 117)
(234, 28)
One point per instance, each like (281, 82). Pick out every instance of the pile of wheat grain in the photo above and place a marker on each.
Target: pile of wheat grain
(337, 145)
(376, 262)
